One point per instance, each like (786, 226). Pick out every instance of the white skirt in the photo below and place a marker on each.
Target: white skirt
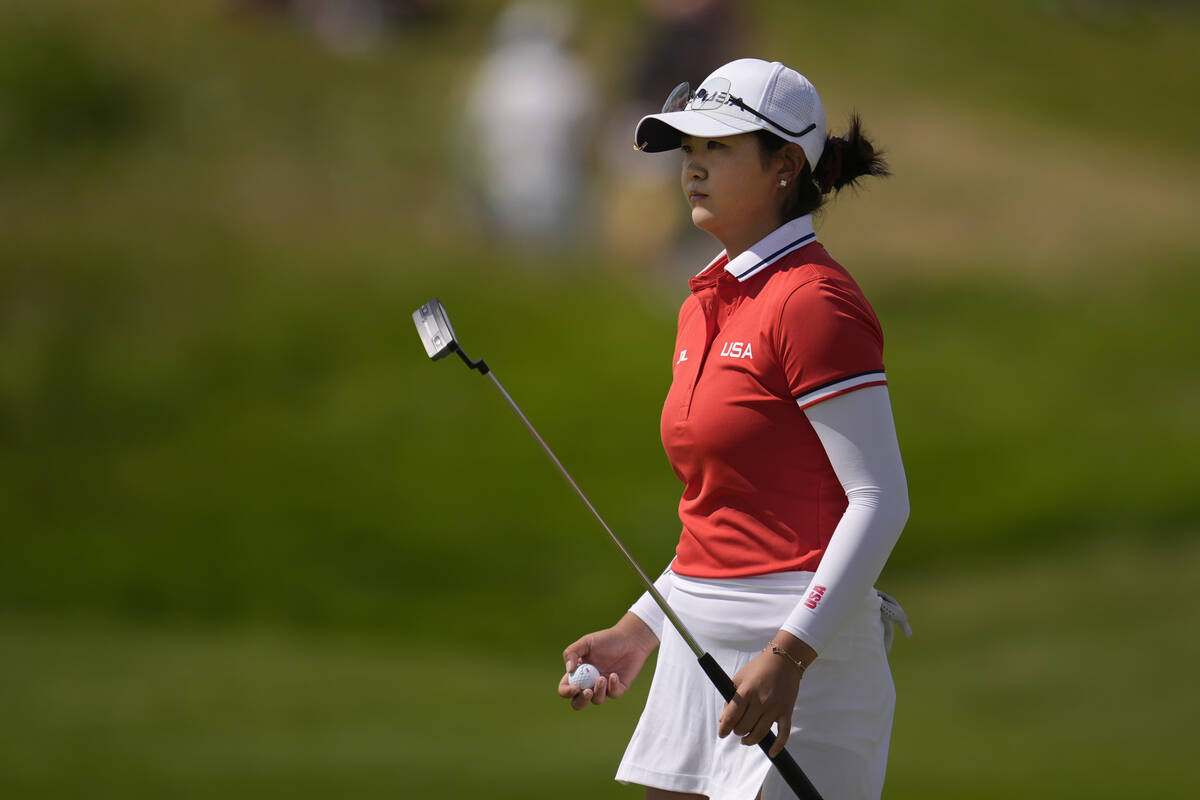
(843, 718)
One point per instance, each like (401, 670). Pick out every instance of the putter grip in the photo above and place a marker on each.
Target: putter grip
(787, 766)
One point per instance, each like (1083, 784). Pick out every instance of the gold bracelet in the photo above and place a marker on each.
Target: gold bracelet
(779, 651)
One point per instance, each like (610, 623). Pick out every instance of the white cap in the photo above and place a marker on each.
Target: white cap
(779, 93)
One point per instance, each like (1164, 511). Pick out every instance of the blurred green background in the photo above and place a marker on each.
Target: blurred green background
(253, 543)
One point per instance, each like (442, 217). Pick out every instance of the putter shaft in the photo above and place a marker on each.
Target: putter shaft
(787, 766)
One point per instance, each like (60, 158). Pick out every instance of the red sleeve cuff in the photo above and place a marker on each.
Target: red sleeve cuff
(841, 386)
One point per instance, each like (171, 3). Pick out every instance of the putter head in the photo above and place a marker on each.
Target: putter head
(434, 328)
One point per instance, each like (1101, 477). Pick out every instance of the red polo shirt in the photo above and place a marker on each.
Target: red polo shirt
(780, 328)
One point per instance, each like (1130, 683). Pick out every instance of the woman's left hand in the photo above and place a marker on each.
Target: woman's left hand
(766, 694)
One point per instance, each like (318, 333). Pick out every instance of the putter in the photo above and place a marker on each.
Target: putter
(437, 335)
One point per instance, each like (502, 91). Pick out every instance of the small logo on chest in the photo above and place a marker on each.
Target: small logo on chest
(736, 350)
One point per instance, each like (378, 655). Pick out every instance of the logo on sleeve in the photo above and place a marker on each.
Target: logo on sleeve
(814, 597)
(736, 350)
(682, 357)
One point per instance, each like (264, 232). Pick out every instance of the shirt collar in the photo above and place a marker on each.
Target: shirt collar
(791, 235)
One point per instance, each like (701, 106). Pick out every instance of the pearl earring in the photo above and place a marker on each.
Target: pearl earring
(783, 181)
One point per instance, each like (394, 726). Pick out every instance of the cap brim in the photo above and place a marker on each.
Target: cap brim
(658, 132)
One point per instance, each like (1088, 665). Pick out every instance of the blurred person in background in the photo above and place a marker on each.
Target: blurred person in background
(676, 39)
(525, 132)
(686, 37)
(778, 421)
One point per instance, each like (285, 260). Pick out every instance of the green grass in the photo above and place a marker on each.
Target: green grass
(1112, 69)
(145, 712)
(1066, 677)
(1054, 677)
(301, 460)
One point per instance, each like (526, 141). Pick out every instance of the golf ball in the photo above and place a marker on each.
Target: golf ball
(585, 676)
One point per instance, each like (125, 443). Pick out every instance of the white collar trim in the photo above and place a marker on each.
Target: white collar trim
(775, 245)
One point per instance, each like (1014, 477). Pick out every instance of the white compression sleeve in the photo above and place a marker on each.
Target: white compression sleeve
(859, 437)
(648, 610)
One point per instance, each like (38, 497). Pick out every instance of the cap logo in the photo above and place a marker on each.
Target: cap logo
(713, 94)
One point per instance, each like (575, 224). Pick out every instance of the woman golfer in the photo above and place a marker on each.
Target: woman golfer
(779, 424)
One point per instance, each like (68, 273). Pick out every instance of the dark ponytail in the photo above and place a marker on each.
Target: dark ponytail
(843, 162)
(846, 159)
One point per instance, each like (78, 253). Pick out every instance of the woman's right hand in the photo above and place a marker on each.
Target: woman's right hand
(618, 652)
